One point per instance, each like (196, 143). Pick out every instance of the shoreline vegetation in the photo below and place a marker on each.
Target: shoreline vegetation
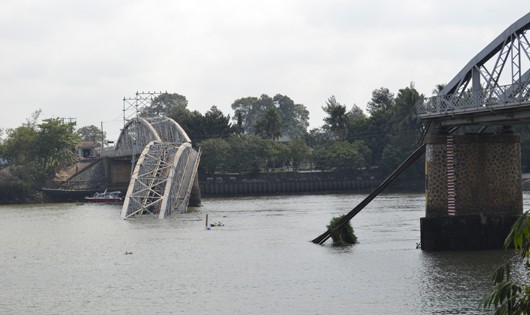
(265, 141)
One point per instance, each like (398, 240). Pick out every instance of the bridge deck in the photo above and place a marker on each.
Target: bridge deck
(500, 105)
(510, 113)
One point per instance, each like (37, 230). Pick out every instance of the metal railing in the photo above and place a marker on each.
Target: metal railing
(498, 97)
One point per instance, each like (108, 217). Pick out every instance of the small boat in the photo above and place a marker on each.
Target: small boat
(105, 197)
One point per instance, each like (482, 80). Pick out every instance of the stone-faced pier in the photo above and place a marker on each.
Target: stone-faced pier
(473, 185)
(473, 190)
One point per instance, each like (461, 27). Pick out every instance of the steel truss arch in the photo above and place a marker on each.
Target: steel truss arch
(140, 131)
(165, 171)
(510, 47)
(497, 78)
(162, 180)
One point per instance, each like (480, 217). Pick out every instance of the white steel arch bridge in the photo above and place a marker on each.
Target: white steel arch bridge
(165, 170)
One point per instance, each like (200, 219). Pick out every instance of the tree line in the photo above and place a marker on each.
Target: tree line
(271, 133)
(263, 134)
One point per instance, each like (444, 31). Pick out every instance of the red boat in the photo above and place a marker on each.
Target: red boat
(105, 197)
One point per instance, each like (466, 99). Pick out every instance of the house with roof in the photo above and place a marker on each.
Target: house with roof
(86, 149)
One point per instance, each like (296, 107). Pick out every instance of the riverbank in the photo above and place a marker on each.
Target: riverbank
(285, 183)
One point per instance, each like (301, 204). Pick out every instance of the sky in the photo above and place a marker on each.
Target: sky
(79, 59)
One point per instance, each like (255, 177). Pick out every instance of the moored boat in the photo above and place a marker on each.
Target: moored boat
(105, 197)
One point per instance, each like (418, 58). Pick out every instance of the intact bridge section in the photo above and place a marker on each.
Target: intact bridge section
(473, 178)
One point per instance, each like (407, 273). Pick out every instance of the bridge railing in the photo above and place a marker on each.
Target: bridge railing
(112, 152)
(498, 97)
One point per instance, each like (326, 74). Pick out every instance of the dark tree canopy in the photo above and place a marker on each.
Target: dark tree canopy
(269, 124)
(382, 100)
(249, 113)
(55, 145)
(336, 120)
(294, 118)
(212, 125)
(166, 104)
(249, 109)
(91, 133)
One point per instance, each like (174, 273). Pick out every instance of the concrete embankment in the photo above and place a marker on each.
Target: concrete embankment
(284, 187)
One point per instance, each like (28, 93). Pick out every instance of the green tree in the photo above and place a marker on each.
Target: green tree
(213, 124)
(55, 145)
(391, 157)
(318, 137)
(91, 133)
(294, 117)
(382, 100)
(299, 152)
(215, 153)
(356, 123)
(346, 155)
(250, 110)
(249, 113)
(438, 88)
(336, 121)
(404, 116)
(19, 144)
(276, 154)
(509, 295)
(217, 124)
(356, 114)
(375, 133)
(243, 114)
(269, 124)
(247, 154)
(170, 105)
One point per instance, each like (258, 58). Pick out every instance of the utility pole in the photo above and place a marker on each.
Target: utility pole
(102, 137)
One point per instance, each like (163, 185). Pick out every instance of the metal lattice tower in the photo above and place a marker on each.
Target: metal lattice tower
(132, 105)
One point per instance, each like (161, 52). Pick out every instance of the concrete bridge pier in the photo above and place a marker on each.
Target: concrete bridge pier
(195, 196)
(473, 191)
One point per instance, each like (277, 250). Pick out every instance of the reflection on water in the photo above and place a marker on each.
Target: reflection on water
(72, 259)
(458, 276)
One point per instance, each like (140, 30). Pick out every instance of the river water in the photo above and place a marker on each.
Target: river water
(83, 259)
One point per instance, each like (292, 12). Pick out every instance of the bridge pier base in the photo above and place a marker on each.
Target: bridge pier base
(473, 191)
(195, 196)
(469, 232)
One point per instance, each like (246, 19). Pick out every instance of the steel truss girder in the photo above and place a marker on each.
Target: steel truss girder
(479, 84)
(513, 40)
(145, 192)
(162, 180)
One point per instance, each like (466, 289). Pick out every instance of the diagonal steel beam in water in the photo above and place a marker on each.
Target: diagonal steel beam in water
(411, 159)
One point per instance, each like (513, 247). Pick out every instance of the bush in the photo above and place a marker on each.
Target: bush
(342, 235)
(14, 192)
(512, 295)
(13, 189)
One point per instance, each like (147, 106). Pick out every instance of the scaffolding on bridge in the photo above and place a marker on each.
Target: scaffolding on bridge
(163, 162)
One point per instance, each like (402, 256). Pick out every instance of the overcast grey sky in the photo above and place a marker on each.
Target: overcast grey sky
(80, 58)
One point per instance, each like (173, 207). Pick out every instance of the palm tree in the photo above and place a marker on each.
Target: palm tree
(337, 120)
(269, 125)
